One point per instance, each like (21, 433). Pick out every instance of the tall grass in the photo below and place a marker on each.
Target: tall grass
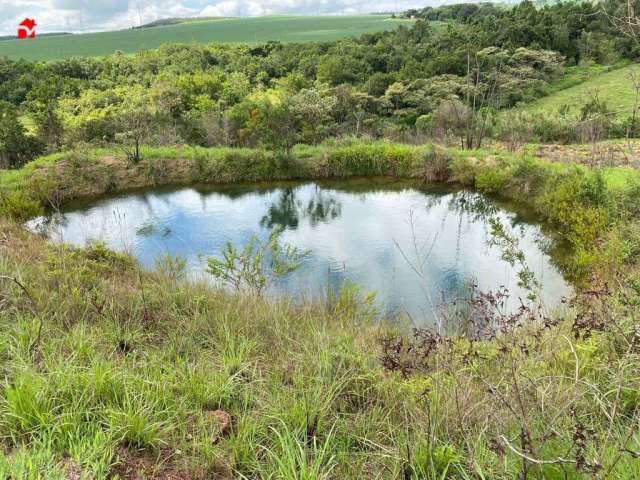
(107, 369)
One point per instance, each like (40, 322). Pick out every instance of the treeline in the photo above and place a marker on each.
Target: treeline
(426, 80)
(577, 30)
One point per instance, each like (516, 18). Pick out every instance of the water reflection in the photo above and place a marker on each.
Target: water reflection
(369, 233)
(287, 210)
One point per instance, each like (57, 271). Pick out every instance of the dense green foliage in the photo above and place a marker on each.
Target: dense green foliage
(409, 84)
(577, 30)
(16, 147)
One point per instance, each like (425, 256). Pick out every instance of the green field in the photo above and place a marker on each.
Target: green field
(230, 30)
(614, 87)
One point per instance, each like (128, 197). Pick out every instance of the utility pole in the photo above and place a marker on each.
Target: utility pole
(139, 14)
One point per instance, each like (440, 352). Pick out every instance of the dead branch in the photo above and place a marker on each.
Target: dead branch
(556, 461)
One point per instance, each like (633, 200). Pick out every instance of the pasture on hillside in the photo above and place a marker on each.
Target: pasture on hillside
(615, 88)
(226, 30)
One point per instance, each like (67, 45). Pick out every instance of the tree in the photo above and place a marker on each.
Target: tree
(453, 117)
(314, 110)
(624, 17)
(337, 69)
(268, 120)
(43, 103)
(484, 77)
(396, 93)
(16, 147)
(277, 126)
(353, 106)
(378, 83)
(135, 120)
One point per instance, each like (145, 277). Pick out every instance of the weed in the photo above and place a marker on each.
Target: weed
(257, 263)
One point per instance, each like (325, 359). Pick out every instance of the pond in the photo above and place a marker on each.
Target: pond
(416, 246)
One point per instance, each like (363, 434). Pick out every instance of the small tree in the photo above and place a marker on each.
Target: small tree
(257, 264)
(314, 109)
(16, 147)
(452, 117)
(623, 16)
(352, 106)
(594, 119)
(484, 71)
(42, 102)
(135, 121)
(274, 124)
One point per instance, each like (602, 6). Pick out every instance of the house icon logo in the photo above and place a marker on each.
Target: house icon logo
(27, 28)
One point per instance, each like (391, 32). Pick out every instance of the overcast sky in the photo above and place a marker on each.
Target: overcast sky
(86, 15)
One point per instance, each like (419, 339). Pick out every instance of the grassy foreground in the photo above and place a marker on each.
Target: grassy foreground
(113, 372)
(224, 30)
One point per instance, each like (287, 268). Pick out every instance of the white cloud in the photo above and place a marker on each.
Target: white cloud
(86, 15)
(235, 8)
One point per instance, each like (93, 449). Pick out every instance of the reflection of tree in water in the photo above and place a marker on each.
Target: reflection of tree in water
(477, 206)
(322, 207)
(283, 212)
(51, 224)
(287, 210)
(482, 209)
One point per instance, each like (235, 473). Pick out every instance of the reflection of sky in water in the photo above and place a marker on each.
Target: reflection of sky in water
(352, 235)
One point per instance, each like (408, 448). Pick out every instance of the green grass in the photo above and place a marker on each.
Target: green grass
(106, 367)
(576, 75)
(227, 30)
(573, 91)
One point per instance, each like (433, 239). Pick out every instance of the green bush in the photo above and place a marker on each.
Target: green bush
(19, 205)
(492, 180)
(371, 160)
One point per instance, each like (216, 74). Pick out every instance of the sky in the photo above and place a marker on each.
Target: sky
(86, 15)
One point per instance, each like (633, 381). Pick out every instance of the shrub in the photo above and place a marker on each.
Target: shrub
(515, 129)
(492, 180)
(256, 264)
(425, 124)
(18, 205)
(16, 147)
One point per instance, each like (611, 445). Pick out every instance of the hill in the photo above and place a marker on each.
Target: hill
(614, 87)
(228, 30)
(52, 34)
(163, 22)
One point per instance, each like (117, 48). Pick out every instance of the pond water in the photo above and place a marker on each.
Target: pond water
(373, 233)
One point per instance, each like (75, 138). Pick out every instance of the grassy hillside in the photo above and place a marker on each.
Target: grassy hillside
(260, 29)
(163, 22)
(613, 87)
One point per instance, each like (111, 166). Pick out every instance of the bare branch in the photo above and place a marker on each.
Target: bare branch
(556, 461)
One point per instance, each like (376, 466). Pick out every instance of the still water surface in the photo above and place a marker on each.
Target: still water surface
(364, 231)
